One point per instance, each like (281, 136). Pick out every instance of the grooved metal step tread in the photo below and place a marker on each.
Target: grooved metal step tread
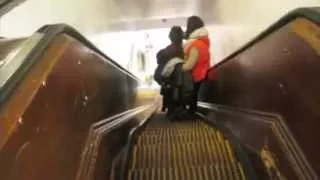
(208, 172)
(172, 130)
(168, 155)
(176, 138)
(174, 125)
(183, 150)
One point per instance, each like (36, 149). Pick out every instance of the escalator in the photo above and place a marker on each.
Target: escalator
(67, 111)
(183, 150)
(250, 115)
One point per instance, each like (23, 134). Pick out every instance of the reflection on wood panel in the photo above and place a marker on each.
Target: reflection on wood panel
(278, 74)
(44, 124)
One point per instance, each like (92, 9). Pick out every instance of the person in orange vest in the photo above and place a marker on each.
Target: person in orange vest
(197, 55)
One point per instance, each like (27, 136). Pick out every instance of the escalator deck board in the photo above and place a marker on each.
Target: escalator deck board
(183, 150)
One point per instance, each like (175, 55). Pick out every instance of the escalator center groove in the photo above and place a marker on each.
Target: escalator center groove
(183, 150)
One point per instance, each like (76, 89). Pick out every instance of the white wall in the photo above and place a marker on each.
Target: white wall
(85, 15)
(226, 39)
(237, 21)
(257, 12)
(91, 16)
(242, 20)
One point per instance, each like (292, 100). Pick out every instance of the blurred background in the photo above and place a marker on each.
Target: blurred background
(132, 31)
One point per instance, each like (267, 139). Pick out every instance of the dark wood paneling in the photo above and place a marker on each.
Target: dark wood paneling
(278, 74)
(76, 89)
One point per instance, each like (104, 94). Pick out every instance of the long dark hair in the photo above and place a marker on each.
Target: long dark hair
(193, 23)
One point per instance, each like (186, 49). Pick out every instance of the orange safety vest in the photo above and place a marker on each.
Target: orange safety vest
(202, 65)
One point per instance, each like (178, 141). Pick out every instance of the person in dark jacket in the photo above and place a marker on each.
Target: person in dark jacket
(175, 49)
(174, 52)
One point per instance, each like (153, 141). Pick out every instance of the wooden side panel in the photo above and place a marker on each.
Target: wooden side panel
(279, 74)
(47, 119)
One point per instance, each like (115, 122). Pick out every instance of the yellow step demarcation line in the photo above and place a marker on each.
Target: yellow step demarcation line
(206, 175)
(164, 174)
(134, 157)
(243, 177)
(153, 173)
(129, 175)
(136, 175)
(219, 143)
(193, 173)
(170, 174)
(112, 175)
(154, 154)
(158, 161)
(200, 173)
(175, 173)
(166, 139)
(233, 161)
(228, 161)
(218, 173)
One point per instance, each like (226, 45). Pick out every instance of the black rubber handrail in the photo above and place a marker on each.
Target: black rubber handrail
(7, 5)
(50, 32)
(57, 29)
(311, 13)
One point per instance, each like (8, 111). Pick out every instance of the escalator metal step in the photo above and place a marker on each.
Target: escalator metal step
(183, 150)
(208, 172)
(174, 137)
